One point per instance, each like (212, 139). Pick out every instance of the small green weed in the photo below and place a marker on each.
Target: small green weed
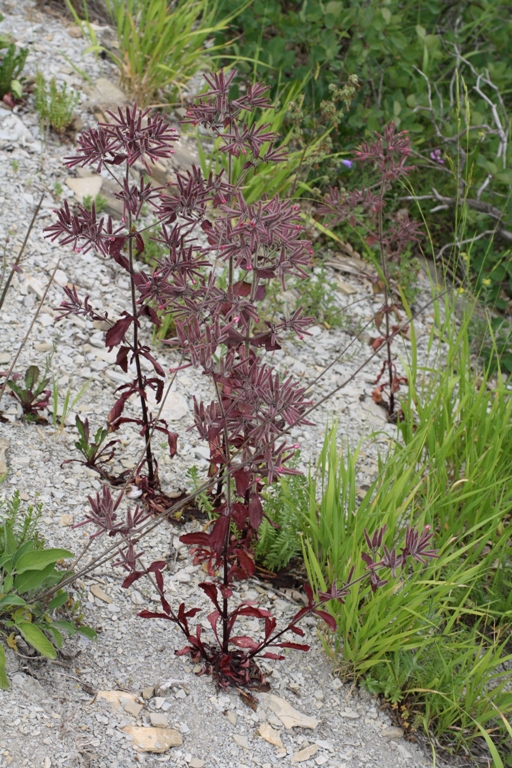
(20, 521)
(316, 295)
(27, 567)
(61, 408)
(32, 395)
(95, 450)
(279, 540)
(55, 105)
(203, 500)
(100, 203)
(12, 61)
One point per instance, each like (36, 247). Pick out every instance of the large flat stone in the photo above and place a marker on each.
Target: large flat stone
(153, 739)
(87, 186)
(288, 715)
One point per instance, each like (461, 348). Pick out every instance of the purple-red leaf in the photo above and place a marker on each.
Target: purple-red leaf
(131, 578)
(330, 620)
(210, 589)
(122, 358)
(255, 511)
(294, 646)
(116, 334)
(154, 615)
(244, 641)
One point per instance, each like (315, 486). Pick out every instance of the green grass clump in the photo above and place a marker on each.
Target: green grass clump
(100, 203)
(436, 640)
(55, 105)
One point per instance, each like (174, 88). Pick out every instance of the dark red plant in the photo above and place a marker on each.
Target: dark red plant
(364, 209)
(131, 135)
(219, 330)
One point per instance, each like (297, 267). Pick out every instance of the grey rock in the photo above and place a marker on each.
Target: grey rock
(392, 733)
(107, 94)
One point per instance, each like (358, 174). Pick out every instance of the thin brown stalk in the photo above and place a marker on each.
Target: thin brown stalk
(11, 369)
(22, 251)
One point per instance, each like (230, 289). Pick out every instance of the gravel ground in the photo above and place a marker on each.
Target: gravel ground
(51, 715)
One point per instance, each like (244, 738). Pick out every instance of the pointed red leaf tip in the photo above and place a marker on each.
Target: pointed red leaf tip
(293, 646)
(153, 615)
(210, 589)
(116, 334)
(329, 620)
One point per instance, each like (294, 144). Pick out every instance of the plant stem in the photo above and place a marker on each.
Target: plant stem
(386, 307)
(22, 250)
(136, 354)
(40, 306)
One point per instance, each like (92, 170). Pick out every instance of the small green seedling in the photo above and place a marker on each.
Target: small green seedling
(34, 396)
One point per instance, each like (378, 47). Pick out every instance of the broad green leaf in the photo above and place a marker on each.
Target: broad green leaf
(26, 547)
(66, 625)
(16, 389)
(57, 637)
(4, 680)
(9, 541)
(11, 600)
(7, 584)
(31, 580)
(17, 89)
(334, 7)
(37, 639)
(31, 376)
(57, 601)
(88, 632)
(6, 563)
(36, 561)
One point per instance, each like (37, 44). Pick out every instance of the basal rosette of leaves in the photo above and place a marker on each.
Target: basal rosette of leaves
(218, 331)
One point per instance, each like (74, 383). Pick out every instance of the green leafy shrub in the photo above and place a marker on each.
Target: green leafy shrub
(55, 105)
(27, 567)
(444, 73)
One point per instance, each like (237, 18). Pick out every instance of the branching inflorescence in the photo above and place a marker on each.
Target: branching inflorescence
(364, 209)
(204, 222)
